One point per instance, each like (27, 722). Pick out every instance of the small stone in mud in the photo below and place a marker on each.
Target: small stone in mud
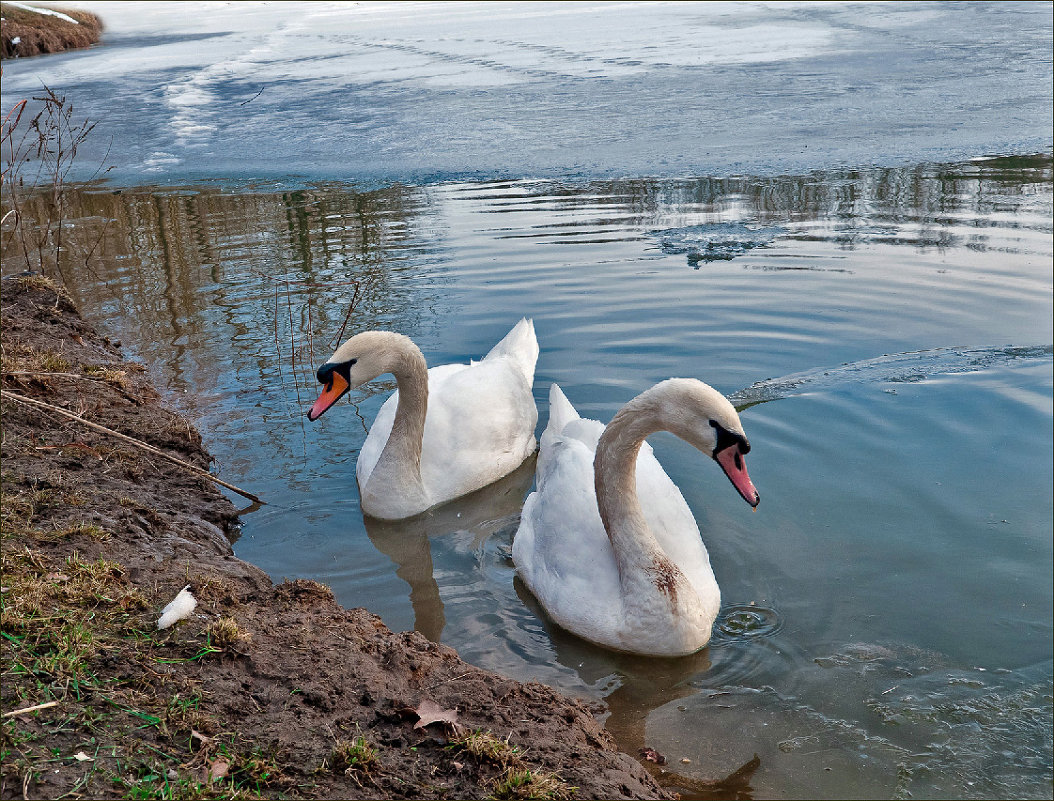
(651, 755)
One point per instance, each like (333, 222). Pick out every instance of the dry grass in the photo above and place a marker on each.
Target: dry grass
(24, 365)
(517, 779)
(42, 282)
(530, 784)
(355, 758)
(225, 634)
(44, 33)
(21, 359)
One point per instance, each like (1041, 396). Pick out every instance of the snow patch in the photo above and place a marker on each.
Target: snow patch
(47, 12)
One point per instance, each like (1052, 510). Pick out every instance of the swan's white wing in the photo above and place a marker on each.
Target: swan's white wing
(521, 346)
(671, 520)
(479, 427)
(561, 550)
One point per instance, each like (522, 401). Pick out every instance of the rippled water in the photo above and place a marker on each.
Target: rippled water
(887, 334)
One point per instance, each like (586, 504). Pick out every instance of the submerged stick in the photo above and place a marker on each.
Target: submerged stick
(131, 440)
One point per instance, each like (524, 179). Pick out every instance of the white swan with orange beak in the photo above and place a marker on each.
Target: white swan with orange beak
(447, 431)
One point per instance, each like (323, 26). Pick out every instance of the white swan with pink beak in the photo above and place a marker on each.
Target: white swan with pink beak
(607, 543)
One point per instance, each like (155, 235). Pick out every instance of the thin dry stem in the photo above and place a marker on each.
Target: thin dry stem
(131, 440)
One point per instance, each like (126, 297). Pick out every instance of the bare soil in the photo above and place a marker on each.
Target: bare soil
(27, 33)
(265, 690)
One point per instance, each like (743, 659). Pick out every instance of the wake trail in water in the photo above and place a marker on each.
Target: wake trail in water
(902, 368)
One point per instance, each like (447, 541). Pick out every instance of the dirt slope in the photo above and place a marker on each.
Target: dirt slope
(264, 690)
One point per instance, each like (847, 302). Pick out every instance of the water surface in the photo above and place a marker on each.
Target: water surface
(886, 622)
(419, 92)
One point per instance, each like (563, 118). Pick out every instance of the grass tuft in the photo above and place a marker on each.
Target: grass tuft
(486, 747)
(521, 783)
(517, 780)
(353, 757)
(18, 358)
(225, 634)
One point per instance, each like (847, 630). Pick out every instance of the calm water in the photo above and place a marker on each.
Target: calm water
(888, 334)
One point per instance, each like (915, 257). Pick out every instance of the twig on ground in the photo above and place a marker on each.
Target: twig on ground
(26, 710)
(131, 440)
(251, 99)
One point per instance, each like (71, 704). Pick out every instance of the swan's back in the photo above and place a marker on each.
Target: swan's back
(561, 550)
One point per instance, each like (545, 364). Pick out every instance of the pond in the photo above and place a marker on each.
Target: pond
(886, 333)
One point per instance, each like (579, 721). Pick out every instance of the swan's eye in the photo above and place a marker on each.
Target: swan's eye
(726, 438)
(325, 372)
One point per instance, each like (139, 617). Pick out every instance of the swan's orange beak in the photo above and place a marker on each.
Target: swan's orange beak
(731, 461)
(333, 392)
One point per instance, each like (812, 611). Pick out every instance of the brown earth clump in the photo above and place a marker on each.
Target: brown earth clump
(27, 33)
(264, 690)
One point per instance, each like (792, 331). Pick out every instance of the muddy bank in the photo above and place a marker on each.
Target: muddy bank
(27, 32)
(265, 690)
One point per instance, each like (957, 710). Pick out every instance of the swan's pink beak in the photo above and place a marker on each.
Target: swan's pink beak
(731, 461)
(333, 392)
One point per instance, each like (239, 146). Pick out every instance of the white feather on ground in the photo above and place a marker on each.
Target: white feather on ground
(178, 608)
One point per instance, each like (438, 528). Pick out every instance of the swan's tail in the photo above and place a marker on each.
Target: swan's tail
(520, 345)
(561, 412)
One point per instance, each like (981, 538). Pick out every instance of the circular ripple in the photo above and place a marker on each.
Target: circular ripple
(745, 621)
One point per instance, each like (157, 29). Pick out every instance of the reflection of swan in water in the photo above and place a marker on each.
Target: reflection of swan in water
(645, 683)
(448, 430)
(406, 542)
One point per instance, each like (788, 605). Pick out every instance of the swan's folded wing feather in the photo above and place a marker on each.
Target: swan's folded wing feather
(565, 558)
(520, 346)
(483, 415)
(670, 518)
(561, 412)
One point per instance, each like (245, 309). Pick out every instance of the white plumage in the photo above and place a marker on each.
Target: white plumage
(447, 431)
(638, 580)
(178, 608)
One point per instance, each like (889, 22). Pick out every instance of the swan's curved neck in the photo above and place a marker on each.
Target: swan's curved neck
(637, 552)
(402, 452)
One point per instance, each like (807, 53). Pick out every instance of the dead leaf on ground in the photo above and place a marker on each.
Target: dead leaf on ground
(197, 735)
(218, 769)
(80, 756)
(651, 755)
(430, 712)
